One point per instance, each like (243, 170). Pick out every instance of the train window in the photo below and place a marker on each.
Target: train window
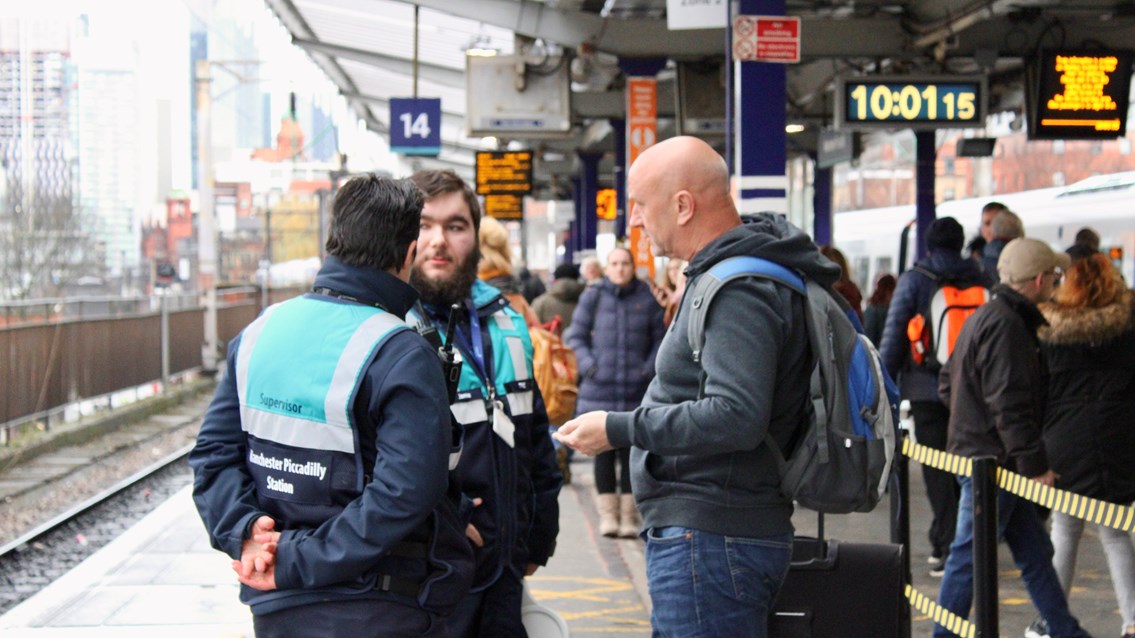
(861, 271)
(883, 265)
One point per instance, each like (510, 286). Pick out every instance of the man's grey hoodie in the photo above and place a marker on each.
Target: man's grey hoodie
(702, 463)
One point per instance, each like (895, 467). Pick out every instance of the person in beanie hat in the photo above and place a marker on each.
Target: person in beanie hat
(944, 241)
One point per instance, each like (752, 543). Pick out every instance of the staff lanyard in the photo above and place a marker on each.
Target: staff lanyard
(475, 343)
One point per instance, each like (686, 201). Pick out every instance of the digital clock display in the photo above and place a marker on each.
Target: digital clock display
(911, 102)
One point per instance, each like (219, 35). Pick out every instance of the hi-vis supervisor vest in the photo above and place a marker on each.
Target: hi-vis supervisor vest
(477, 399)
(303, 446)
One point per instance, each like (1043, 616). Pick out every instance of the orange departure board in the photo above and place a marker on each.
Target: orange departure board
(504, 206)
(504, 172)
(1080, 95)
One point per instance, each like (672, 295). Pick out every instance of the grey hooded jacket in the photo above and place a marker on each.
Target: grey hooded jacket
(701, 463)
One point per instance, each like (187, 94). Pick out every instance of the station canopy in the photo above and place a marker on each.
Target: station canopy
(367, 48)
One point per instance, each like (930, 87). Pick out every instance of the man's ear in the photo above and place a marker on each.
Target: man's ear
(408, 262)
(686, 207)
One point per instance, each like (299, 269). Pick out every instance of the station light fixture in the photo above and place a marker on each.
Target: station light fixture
(794, 128)
(481, 46)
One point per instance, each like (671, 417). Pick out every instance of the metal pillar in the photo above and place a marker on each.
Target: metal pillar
(619, 136)
(926, 153)
(206, 219)
(985, 547)
(900, 516)
(585, 212)
(577, 205)
(761, 152)
(822, 204)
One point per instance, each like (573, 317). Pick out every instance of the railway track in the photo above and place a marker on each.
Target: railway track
(41, 555)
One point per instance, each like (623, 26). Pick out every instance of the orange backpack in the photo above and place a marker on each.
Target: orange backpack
(934, 331)
(555, 370)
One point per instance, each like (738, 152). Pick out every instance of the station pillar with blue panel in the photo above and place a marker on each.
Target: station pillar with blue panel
(759, 122)
(584, 189)
(619, 136)
(925, 155)
(822, 205)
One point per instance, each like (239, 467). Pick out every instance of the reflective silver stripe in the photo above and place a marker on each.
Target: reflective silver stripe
(336, 406)
(469, 412)
(301, 433)
(520, 403)
(504, 322)
(519, 361)
(248, 339)
(454, 459)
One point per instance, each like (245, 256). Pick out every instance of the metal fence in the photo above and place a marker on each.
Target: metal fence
(60, 352)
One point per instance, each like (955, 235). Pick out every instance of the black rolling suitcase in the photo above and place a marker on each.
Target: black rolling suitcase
(837, 589)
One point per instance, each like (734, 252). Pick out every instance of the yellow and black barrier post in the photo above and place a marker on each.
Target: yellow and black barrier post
(985, 611)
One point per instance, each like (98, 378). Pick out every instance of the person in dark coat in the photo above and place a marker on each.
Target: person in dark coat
(1005, 227)
(561, 300)
(994, 385)
(1089, 347)
(919, 384)
(615, 334)
(875, 315)
(530, 285)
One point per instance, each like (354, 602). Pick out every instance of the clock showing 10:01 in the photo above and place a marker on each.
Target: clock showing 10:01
(926, 102)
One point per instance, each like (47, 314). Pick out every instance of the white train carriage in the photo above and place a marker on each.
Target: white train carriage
(872, 238)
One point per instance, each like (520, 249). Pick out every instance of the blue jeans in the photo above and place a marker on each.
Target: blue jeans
(705, 585)
(1020, 525)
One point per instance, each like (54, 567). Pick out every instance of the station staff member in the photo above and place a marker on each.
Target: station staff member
(321, 466)
(507, 465)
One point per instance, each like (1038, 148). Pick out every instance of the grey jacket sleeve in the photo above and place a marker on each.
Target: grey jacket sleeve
(746, 328)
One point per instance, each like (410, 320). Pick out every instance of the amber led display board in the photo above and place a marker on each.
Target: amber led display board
(1079, 95)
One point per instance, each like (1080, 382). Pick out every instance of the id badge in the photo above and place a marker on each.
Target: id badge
(503, 425)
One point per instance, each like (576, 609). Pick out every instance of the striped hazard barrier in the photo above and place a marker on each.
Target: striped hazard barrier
(1120, 517)
(940, 615)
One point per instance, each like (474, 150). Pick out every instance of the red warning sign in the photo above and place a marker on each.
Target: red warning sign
(766, 39)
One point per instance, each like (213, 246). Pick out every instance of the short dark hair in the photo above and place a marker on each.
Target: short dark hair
(945, 232)
(374, 220)
(435, 182)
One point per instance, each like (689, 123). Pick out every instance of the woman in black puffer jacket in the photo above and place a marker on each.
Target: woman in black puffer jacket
(615, 332)
(1089, 346)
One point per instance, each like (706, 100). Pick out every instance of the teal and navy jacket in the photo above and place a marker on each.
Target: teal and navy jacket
(332, 419)
(518, 480)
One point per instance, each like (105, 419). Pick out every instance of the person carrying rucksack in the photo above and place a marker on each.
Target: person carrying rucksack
(918, 380)
(707, 484)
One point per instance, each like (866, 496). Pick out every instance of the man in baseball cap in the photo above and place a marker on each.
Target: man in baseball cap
(994, 387)
(1023, 259)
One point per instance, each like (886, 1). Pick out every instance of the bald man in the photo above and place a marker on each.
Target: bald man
(706, 485)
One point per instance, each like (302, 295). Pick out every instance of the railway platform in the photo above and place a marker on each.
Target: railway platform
(162, 578)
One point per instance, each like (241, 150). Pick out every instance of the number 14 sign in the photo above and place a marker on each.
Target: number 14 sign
(415, 125)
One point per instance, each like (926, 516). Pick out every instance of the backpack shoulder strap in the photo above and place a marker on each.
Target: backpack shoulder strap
(930, 274)
(723, 272)
(705, 289)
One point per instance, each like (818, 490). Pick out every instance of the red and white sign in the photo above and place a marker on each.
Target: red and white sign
(766, 39)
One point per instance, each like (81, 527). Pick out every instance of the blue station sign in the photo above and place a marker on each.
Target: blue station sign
(415, 125)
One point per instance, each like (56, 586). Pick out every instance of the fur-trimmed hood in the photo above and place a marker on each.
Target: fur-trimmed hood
(1090, 326)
